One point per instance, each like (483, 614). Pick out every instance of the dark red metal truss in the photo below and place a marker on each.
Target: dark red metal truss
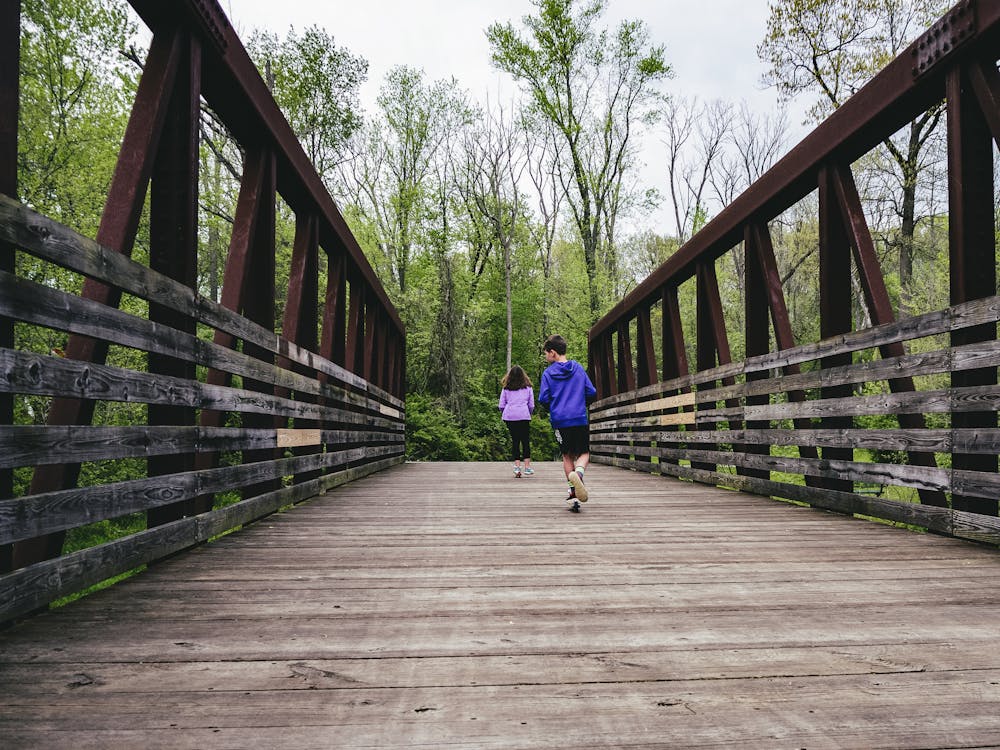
(955, 61)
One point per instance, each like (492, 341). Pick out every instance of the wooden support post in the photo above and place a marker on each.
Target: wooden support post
(973, 257)
(173, 251)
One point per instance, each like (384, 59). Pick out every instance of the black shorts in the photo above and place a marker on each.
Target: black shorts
(573, 441)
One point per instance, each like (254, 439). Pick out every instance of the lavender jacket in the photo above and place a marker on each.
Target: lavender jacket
(516, 406)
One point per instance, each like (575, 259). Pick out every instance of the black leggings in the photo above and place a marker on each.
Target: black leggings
(520, 438)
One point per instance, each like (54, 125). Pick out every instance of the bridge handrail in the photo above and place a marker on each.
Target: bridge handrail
(938, 468)
(235, 421)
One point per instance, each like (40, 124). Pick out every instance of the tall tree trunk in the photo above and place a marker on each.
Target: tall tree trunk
(907, 227)
(510, 303)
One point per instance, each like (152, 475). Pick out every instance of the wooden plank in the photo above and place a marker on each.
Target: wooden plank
(34, 515)
(26, 372)
(667, 613)
(933, 440)
(971, 398)
(295, 438)
(52, 241)
(31, 445)
(965, 315)
(29, 588)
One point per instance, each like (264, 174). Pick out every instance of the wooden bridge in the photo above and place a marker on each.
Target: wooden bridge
(448, 605)
(305, 587)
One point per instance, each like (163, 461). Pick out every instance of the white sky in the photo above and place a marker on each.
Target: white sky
(711, 46)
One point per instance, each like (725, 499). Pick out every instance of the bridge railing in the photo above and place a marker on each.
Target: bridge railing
(238, 421)
(793, 421)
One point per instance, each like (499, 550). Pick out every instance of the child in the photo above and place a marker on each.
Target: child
(517, 401)
(566, 390)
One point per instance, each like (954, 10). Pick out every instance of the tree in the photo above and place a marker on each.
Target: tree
(543, 149)
(395, 157)
(596, 88)
(831, 48)
(495, 161)
(316, 84)
(76, 90)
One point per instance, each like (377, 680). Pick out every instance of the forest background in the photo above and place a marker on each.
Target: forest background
(493, 225)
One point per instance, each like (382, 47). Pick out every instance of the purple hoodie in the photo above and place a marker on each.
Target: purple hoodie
(517, 405)
(565, 390)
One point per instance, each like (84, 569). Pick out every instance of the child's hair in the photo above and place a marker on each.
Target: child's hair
(555, 343)
(515, 379)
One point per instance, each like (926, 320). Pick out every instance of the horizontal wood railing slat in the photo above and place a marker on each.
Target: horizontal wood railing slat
(27, 589)
(52, 241)
(35, 515)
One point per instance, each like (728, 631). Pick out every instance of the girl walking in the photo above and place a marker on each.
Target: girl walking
(517, 402)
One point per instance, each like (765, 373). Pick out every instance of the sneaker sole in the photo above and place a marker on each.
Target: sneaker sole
(578, 487)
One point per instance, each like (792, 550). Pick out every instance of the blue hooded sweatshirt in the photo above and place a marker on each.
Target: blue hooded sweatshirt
(565, 390)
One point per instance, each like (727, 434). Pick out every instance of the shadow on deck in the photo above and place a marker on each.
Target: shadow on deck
(451, 605)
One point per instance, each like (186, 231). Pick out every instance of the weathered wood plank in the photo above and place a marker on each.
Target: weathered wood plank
(934, 440)
(403, 610)
(52, 241)
(27, 589)
(34, 515)
(30, 445)
(970, 398)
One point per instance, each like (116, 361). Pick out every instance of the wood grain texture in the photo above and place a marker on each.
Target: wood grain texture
(448, 605)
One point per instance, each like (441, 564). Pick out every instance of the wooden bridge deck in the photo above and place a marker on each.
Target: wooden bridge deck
(447, 605)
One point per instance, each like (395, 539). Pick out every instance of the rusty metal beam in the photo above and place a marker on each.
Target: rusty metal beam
(233, 87)
(645, 354)
(757, 322)
(334, 338)
(834, 306)
(258, 306)
(879, 306)
(117, 230)
(780, 319)
(973, 255)
(675, 362)
(712, 340)
(173, 251)
(626, 370)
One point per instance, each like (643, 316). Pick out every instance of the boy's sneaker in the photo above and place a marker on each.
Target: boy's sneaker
(579, 488)
(528, 471)
(517, 472)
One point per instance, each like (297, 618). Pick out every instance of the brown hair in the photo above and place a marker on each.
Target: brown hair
(515, 379)
(555, 343)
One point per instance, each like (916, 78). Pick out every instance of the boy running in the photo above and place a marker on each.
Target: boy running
(566, 390)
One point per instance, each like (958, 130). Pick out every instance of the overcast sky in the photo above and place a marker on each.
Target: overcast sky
(711, 45)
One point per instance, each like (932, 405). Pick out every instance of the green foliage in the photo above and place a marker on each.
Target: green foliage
(316, 84)
(433, 433)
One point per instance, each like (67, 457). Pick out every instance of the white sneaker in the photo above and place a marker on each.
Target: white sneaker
(578, 486)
